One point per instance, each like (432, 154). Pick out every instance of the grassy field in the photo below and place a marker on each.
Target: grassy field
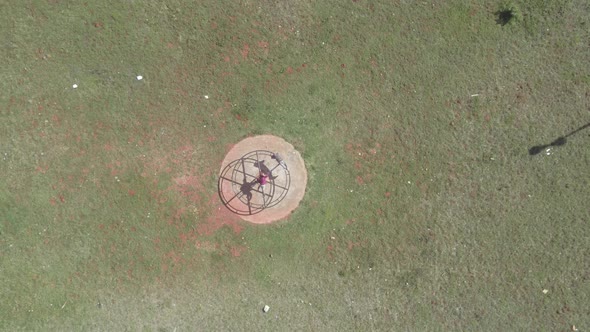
(424, 210)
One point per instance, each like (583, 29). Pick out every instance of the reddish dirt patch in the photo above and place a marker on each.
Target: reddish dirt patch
(115, 167)
(237, 251)
(264, 46)
(42, 169)
(366, 157)
(351, 245)
(188, 186)
(245, 51)
(360, 181)
(219, 218)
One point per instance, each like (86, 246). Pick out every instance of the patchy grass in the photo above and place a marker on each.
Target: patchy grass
(424, 209)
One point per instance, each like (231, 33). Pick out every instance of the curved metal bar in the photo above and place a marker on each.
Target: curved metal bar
(237, 183)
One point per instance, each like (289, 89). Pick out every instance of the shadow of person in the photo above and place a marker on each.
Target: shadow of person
(558, 142)
(561, 140)
(246, 189)
(264, 169)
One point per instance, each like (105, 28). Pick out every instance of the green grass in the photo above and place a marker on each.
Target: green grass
(423, 210)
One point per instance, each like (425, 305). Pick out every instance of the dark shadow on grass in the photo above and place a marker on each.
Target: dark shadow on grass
(504, 16)
(561, 140)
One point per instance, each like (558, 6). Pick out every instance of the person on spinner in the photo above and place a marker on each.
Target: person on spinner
(262, 180)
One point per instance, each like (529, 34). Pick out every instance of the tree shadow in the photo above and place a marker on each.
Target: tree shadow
(504, 17)
(561, 140)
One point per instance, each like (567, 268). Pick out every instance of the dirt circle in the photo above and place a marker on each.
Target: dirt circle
(240, 169)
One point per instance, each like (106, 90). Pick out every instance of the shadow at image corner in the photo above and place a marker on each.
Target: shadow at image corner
(561, 140)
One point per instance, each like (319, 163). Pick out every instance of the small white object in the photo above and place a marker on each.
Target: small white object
(475, 95)
(545, 291)
(139, 77)
(206, 97)
(266, 308)
(75, 86)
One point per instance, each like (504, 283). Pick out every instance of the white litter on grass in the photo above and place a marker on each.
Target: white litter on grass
(139, 77)
(545, 291)
(75, 86)
(266, 308)
(206, 97)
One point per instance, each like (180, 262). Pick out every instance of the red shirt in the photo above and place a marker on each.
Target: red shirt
(263, 179)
